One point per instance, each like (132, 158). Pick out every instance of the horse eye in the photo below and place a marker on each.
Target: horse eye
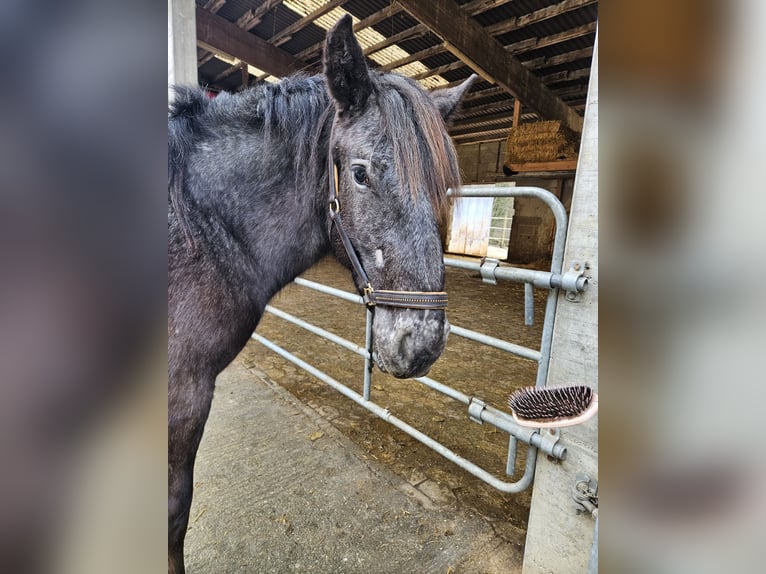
(360, 176)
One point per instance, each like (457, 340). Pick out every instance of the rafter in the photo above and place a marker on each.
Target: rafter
(537, 16)
(471, 43)
(253, 17)
(217, 34)
(371, 20)
(286, 34)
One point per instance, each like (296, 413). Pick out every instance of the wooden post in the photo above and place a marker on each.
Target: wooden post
(516, 112)
(245, 76)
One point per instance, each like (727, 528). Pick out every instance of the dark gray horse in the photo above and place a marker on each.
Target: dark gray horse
(249, 210)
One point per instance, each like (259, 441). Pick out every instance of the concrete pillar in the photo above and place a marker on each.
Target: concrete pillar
(558, 539)
(182, 44)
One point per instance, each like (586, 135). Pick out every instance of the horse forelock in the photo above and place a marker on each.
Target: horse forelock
(424, 157)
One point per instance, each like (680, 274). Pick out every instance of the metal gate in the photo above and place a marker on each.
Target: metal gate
(572, 281)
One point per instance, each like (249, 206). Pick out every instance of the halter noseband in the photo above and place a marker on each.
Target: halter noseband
(372, 297)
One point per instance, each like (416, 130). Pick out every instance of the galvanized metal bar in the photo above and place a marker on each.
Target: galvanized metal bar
(510, 460)
(345, 295)
(511, 487)
(483, 413)
(368, 360)
(444, 389)
(529, 304)
(542, 279)
(546, 340)
(346, 344)
(519, 350)
(593, 562)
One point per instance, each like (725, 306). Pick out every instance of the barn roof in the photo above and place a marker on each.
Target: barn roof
(536, 51)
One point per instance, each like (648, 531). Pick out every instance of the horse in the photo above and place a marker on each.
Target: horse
(257, 184)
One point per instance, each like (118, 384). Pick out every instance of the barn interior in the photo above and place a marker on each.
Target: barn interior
(537, 67)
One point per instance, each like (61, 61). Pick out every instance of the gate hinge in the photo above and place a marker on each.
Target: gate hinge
(585, 494)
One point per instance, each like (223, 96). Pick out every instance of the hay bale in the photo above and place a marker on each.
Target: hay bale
(541, 142)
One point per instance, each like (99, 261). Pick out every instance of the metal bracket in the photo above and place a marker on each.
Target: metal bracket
(585, 494)
(475, 408)
(487, 270)
(574, 280)
(548, 439)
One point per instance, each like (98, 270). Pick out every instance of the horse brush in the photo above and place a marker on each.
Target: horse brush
(553, 407)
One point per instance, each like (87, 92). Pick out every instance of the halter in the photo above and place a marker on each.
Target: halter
(373, 297)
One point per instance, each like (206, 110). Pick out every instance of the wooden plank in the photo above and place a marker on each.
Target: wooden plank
(471, 43)
(371, 20)
(418, 30)
(218, 34)
(516, 112)
(286, 34)
(417, 56)
(439, 70)
(253, 17)
(537, 16)
(227, 72)
(214, 5)
(561, 165)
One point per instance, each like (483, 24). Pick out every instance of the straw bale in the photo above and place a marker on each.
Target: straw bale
(541, 142)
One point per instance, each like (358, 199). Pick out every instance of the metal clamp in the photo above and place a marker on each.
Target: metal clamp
(574, 280)
(475, 408)
(585, 494)
(548, 441)
(487, 270)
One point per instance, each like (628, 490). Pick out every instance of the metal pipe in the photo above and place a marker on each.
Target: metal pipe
(444, 389)
(368, 362)
(510, 461)
(557, 260)
(345, 295)
(511, 487)
(529, 304)
(519, 350)
(593, 563)
(346, 344)
(542, 279)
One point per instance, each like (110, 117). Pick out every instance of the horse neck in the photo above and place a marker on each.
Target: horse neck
(274, 225)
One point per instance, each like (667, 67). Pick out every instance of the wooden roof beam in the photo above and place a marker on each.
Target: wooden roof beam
(537, 16)
(218, 35)
(253, 17)
(286, 34)
(472, 44)
(371, 20)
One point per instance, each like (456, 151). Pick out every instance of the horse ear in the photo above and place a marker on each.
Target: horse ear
(447, 100)
(344, 67)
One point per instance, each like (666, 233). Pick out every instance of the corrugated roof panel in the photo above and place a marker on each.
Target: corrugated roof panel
(233, 9)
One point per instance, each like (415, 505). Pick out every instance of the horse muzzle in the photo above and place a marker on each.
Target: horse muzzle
(409, 341)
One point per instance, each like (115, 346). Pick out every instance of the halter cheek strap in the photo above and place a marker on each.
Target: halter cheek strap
(372, 297)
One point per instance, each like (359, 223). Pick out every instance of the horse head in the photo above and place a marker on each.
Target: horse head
(395, 162)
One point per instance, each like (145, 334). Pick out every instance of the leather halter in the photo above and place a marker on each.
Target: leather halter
(373, 297)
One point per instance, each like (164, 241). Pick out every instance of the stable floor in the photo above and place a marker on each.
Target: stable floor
(278, 489)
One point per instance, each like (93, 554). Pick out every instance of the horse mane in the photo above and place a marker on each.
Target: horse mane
(424, 156)
(298, 110)
(295, 110)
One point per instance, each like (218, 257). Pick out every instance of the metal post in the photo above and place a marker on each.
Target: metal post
(529, 304)
(368, 363)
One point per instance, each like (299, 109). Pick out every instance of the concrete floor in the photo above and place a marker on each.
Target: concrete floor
(279, 490)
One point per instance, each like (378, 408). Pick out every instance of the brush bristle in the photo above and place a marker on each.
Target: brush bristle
(550, 404)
